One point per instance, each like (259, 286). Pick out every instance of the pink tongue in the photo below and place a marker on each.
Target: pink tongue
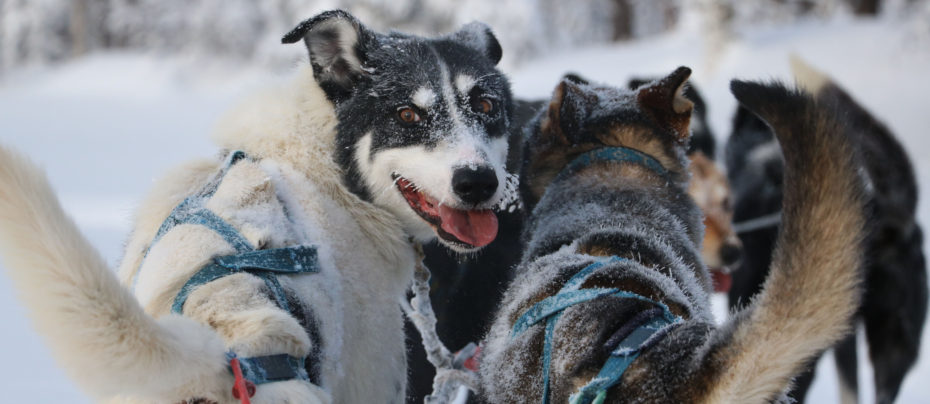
(722, 281)
(475, 227)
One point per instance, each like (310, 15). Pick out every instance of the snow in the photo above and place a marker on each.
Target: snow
(106, 125)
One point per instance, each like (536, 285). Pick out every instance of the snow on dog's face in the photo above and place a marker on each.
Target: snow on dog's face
(422, 123)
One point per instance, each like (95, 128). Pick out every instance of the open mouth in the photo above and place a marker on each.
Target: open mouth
(722, 279)
(463, 228)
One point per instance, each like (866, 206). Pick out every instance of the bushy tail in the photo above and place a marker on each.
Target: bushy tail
(97, 330)
(814, 286)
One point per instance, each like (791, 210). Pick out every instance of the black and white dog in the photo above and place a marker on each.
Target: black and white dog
(466, 288)
(895, 302)
(287, 261)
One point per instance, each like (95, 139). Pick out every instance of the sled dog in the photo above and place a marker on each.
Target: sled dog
(895, 302)
(284, 259)
(611, 300)
(721, 249)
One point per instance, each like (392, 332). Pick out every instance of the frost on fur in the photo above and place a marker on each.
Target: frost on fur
(616, 209)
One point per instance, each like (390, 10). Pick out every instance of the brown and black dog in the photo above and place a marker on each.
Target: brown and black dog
(710, 189)
(895, 302)
(721, 249)
(611, 300)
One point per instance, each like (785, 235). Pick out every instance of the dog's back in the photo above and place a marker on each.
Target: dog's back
(653, 233)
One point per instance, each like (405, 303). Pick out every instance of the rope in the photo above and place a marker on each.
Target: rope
(449, 378)
(758, 223)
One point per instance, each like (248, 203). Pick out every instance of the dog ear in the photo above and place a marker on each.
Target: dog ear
(638, 82)
(478, 36)
(576, 78)
(664, 99)
(337, 43)
(568, 109)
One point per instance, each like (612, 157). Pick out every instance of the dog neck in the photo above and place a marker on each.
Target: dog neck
(296, 126)
(610, 194)
(616, 155)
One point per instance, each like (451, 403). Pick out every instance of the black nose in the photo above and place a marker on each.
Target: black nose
(730, 254)
(474, 185)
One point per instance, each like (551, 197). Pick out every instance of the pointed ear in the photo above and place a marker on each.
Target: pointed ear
(637, 82)
(337, 43)
(664, 99)
(576, 78)
(568, 109)
(478, 36)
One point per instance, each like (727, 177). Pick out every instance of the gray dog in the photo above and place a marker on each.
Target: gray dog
(611, 300)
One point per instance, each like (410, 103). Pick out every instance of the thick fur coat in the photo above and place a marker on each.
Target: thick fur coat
(895, 302)
(629, 211)
(325, 158)
(355, 292)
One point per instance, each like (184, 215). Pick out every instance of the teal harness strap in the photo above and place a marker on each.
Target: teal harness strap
(553, 305)
(615, 154)
(551, 308)
(595, 392)
(191, 211)
(265, 264)
(271, 368)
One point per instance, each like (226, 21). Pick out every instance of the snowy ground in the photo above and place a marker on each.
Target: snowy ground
(106, 126)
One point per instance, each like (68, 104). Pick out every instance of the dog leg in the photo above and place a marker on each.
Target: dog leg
(895, 308)
(844, 354)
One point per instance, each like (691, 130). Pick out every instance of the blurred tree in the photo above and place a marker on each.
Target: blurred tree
(865, 7)
(623, 20)
(34, 31)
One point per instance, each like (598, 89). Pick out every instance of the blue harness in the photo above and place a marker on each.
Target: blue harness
(617, 154)
(550, 309)
(265, 264)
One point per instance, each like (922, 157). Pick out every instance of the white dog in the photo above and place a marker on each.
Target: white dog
(383, 138)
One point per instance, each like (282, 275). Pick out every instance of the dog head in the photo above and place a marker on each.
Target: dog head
(423, 123)
(582, 117)
(755, 167)
(721, 250)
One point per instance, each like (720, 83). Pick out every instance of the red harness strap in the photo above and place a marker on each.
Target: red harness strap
(242, 389)
(467, 358)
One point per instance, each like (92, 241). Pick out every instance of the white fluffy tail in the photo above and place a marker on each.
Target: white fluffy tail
(96, 329)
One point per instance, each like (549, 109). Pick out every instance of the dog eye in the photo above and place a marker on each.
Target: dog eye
(483, 105)
(408, 115)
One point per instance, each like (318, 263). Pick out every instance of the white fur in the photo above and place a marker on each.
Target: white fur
(807, 77)
(424, 97)
(122, 351)
(347, 36)
(464, 83)
(431, 169)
